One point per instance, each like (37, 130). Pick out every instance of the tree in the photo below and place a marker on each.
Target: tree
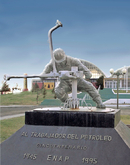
(100, 82)
(35, 87)
(53, 91)
(5, 87)
(42, 86)
(37, 97)
(44, 92)
(54, 95)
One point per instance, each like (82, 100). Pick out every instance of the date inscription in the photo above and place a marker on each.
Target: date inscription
(30, 156)
(90, 160)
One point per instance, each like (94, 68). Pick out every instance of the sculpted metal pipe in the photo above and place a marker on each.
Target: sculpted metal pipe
(42, 75)
(58, 24)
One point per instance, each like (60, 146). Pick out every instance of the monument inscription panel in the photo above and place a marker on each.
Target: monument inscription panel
(64, 145)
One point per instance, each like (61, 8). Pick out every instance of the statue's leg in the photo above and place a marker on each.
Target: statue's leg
(62, 89)
(88, 87)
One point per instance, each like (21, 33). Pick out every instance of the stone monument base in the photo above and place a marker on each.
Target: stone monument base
(107, 118)
(70, 138)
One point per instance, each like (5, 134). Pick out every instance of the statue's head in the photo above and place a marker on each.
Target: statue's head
(59, 55)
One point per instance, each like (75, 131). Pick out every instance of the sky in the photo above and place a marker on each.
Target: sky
(97, 31)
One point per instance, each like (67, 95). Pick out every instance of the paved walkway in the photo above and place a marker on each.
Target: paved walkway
(121, 101)
(124, 105)
(16, 109)
(7, 112)
(12, 116)
(12, 111)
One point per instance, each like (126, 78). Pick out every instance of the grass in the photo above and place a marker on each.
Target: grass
(122, 91)
(29, 98)
(10, 126)
(125, 119)
(24, 98)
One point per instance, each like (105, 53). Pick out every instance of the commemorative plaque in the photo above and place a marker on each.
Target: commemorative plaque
(62, 141)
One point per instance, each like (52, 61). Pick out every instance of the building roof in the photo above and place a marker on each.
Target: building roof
(120, 70)
(96, 72)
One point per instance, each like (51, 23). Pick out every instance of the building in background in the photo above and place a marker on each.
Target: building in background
(48, 83)
(124, 80)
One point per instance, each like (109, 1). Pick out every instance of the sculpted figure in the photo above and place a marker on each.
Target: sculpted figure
(64, 62)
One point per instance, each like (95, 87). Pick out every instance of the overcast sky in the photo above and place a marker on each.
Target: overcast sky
(94, 30)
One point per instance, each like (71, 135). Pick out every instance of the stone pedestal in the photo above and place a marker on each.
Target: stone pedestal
(70, 138)
(78, 118)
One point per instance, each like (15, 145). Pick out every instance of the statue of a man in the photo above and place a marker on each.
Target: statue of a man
(64, 62)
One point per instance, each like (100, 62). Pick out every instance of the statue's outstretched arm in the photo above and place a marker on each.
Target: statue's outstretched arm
(48, 68)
